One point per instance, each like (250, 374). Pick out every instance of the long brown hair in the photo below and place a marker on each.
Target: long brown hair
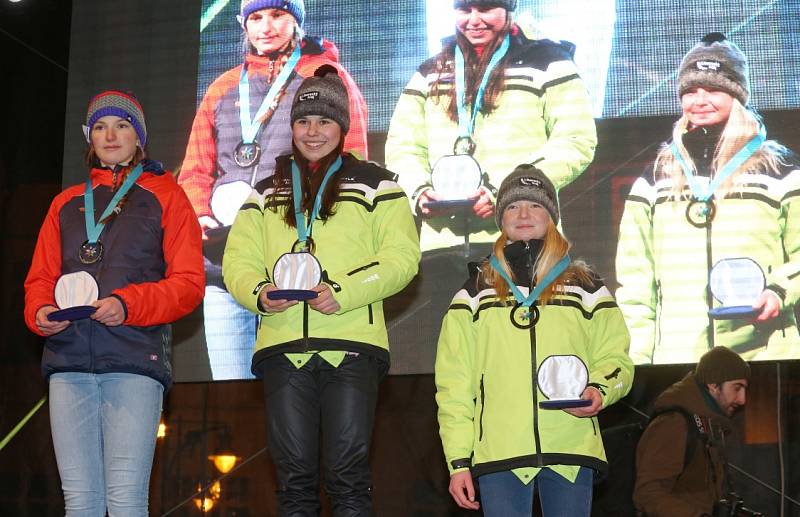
(474, 66)
(311, 179)
(742, 125)
(555, 246)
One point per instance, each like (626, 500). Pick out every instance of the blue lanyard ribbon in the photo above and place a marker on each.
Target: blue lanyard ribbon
(93, 230)
(705, 193)
(250, 126)
(303, 228)
(548, 279)
(466, 122)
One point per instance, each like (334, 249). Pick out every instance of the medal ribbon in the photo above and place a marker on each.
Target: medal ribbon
(93, 230)
(548, 279)
(705, 193)
(466, 122)
(303, 228)
(250, 127)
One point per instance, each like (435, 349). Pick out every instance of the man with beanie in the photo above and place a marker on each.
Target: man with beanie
(668, 483)
(241, 126)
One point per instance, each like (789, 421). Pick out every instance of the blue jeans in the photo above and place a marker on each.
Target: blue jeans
(230, 335)
(504, 495)
(104, 435)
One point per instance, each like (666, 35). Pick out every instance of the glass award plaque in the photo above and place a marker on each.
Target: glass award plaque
(74, 294)
(227, 199)
(736, 283)
(455, 178)
(562, 379)
(295, 275)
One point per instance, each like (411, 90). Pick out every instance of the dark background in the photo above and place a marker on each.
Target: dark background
(408, 467)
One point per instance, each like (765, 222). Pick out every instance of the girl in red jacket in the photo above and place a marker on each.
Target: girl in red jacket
(118, 258)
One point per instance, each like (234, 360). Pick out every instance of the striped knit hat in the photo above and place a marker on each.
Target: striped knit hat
(294, 7)
(119, 104)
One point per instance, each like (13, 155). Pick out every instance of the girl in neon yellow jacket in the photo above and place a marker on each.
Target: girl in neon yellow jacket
(322, 359)
(718, 192)
(533, 108)
(559, 341)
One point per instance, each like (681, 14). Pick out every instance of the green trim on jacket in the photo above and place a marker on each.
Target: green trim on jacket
(368, 250)
(543, 116)
(489, 418)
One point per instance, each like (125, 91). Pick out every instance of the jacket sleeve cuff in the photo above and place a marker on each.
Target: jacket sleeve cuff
(779, 291)
(460, 464)
(414, 198)
(124, 306)
(257, 292)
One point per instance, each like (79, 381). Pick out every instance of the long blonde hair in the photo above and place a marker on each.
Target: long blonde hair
(554, 247)
(742, 125)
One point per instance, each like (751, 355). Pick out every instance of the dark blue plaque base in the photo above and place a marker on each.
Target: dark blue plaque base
(449, 203)
(78, 312)
(292, 294)
(564, 404)
(733, 313)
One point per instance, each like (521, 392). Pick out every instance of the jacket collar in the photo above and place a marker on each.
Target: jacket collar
(701, 144)
(522, 257)
(148, 166)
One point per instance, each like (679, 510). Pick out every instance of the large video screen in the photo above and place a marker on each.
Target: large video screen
(616, 211)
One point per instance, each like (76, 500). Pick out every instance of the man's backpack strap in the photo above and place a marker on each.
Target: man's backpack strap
(696, 431)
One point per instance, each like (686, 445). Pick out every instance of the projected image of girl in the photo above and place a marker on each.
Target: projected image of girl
(492, 99)
(709, 244)
(531, 349)
(314, 252)
(240, 128)
(117, 260)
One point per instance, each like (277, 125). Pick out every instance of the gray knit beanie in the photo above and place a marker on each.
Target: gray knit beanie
(721, 364)
(508, 5)
(530, 184)
(323, 94)
(718, 63)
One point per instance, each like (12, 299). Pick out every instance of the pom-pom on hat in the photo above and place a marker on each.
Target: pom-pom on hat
(721, 364)
(717, 63)
(323, 94)
(294, 7)
(118, 104)
(530, 184)
(508, 5)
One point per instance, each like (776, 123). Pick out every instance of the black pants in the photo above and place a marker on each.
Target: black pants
(340, 404)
